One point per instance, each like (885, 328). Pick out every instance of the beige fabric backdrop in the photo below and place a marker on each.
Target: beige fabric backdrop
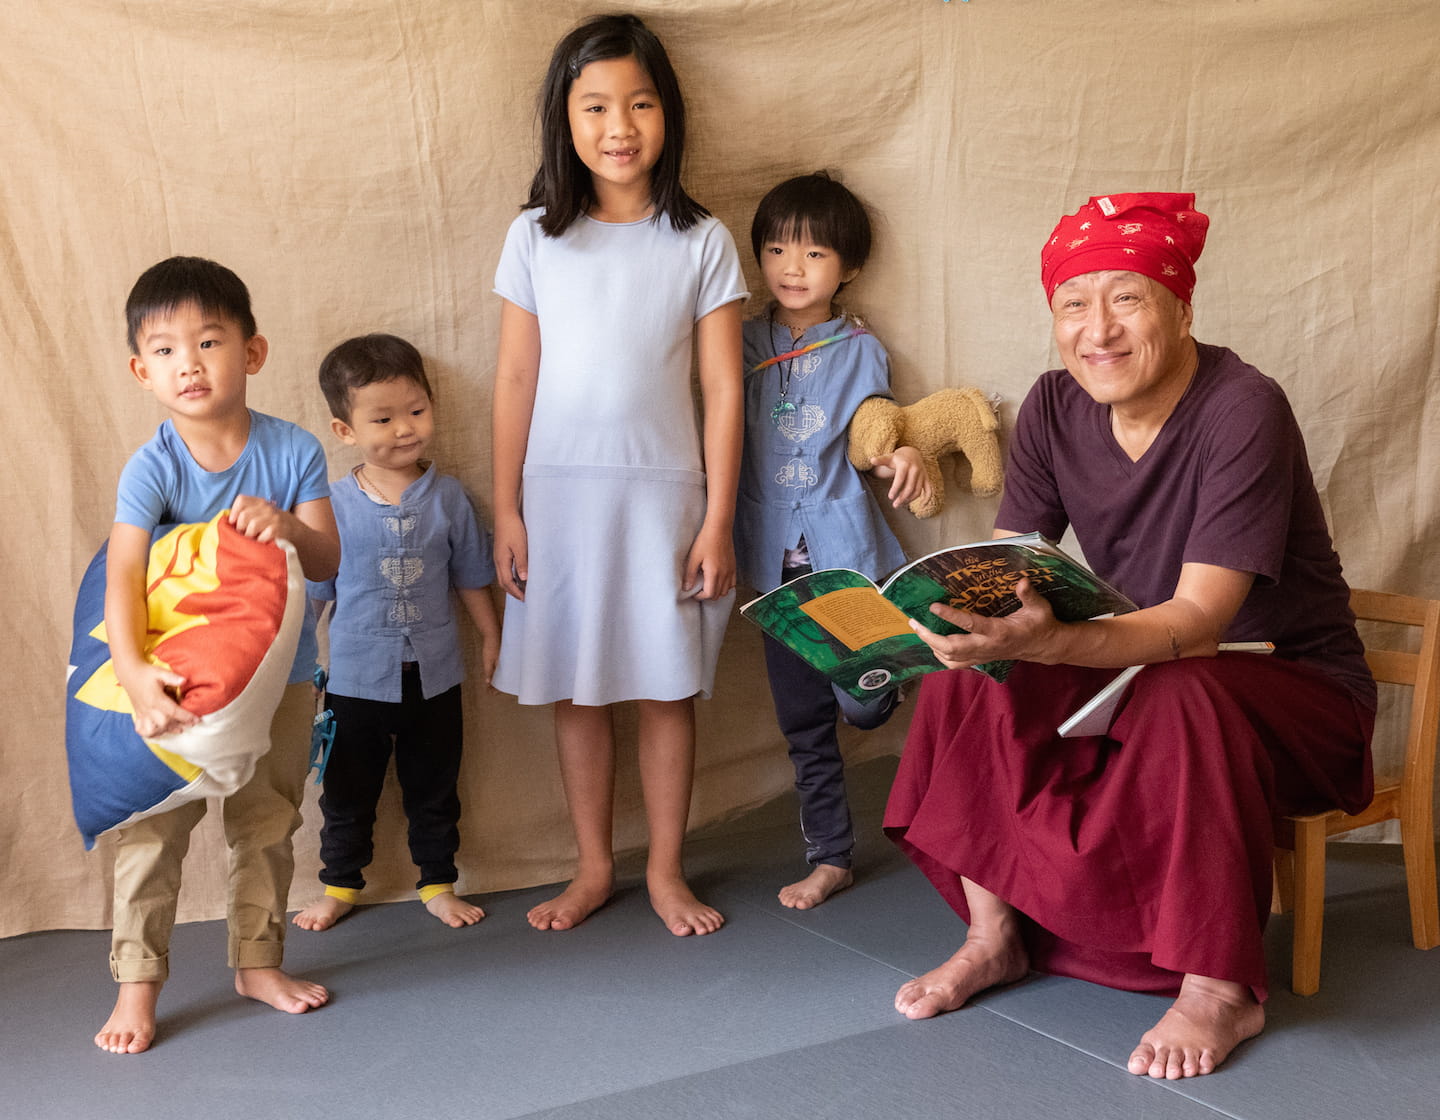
(357, 164)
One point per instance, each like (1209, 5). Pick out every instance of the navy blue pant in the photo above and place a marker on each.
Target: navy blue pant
(426, 738)
(807, 707)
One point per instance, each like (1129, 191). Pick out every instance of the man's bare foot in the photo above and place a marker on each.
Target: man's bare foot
(323, 913)
(131, 1026)
(453, 910)
(1207, 1020)
(280, 990)
(815, 888)
(682, 913)
(572, 905)
(982, 962)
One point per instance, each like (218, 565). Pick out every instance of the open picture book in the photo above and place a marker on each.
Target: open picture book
(858, 634)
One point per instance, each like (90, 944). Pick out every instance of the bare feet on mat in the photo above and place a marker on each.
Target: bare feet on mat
(574, 904)
(453, 910)
(682, 913)
(815, 888)
(982, 962)
(323, 913)
(131, 1026)
(1207, 1020)
(280, 990)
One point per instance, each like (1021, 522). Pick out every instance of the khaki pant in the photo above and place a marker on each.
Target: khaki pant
(259, 820)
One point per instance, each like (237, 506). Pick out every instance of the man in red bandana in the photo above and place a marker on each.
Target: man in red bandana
(1140, 858)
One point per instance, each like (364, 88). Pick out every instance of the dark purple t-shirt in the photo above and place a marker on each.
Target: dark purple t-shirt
(1226, 482)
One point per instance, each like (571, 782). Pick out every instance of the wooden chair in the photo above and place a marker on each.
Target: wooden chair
(1407, 798)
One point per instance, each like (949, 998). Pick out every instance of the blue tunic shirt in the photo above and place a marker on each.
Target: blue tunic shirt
(795, 478)
(392, 593)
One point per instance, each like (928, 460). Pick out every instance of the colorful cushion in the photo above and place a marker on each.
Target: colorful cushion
(224, 612)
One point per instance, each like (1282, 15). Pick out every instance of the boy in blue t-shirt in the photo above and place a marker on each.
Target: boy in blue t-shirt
(193, 344)
(410, 536)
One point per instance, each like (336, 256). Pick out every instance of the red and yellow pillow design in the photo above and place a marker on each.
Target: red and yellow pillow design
(224, 613)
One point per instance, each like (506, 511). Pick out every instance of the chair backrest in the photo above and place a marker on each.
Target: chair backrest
(1420, 669)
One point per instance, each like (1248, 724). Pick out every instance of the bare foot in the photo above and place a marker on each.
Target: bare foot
(683, 913)
(815, 888)
(131, 1026)
(453, 910)
(322, 914)
(1207, 1020)
(572, 905)
(982, 962)
(280, 990)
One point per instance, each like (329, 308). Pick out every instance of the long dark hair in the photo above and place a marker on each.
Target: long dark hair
(562, 184)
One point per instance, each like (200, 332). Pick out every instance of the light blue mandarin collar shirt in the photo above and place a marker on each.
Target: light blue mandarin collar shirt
(795, 477)
(392, 593)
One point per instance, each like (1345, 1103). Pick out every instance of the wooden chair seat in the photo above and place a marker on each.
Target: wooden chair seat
(1407, 797)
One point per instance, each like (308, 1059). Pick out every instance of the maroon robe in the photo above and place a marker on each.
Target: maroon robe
(1138, 856)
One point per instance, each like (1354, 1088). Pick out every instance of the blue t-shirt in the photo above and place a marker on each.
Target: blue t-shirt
(162, 484)
(392, 593)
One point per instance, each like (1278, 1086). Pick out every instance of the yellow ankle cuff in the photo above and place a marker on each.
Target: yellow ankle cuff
(344, 894)
(427, 893)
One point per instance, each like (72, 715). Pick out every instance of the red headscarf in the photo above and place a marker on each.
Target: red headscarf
(1154, 233)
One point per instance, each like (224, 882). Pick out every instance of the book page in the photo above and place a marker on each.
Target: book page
(857, 616)
(1098, 713)
(981, 578)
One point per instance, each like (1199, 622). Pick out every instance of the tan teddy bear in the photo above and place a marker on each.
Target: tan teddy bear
(949, 420)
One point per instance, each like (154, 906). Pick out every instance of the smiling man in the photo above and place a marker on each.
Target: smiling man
(1140, 858)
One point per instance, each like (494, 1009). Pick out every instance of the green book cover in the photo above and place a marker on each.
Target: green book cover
(859, 634)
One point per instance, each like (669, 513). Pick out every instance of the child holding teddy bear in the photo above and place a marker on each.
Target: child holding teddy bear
(801, 504)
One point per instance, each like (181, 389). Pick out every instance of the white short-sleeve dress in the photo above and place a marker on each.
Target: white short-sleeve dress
(613, 485)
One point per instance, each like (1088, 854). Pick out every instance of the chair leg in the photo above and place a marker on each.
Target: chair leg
(1309, 907)
(1420, 882)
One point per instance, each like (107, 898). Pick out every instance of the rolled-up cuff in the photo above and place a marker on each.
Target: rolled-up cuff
(132, 970)
(256, 954)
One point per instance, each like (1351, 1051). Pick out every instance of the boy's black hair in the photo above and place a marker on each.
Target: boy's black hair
(562, 184)
(816, 207)
(177, 281)
(362, 361)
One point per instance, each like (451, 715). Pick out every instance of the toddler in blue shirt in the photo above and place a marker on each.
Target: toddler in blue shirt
(408, 536)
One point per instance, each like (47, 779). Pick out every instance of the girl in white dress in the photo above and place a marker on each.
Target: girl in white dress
(613, 508)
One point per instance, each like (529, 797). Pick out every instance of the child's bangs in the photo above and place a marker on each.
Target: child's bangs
(806, 229)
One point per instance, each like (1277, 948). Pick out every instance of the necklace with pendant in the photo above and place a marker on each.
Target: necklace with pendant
(786, 362)
(784, 404)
